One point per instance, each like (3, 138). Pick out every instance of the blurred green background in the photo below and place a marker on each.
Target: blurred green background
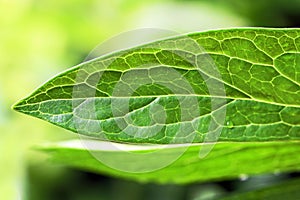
(40, 38)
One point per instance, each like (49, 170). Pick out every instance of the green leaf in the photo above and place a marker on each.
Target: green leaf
(238, 89)
(226, 160)
(223, 85)
(286, 190)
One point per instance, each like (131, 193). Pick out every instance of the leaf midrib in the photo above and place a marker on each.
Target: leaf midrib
(158, 96)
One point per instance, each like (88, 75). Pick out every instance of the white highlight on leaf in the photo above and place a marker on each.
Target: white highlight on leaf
(97, 145)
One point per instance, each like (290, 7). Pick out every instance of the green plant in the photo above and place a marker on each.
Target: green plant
(231, 96)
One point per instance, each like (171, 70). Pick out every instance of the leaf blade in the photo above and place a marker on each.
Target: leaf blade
(258, 71)
(226, 161)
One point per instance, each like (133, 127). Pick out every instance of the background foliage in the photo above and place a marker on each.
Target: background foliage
(41, 38)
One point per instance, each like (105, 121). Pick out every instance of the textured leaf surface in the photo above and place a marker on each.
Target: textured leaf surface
(239, 87)
(226, 161)
(182, 98)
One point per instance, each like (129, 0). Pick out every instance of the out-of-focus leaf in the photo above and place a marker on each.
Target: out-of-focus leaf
(286, 190)
(227, 160)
